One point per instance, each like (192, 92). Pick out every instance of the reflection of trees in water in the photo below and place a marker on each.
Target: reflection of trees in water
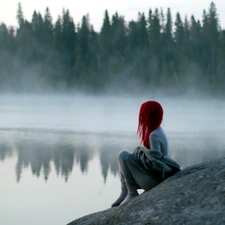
(42, 156)
(109, 151)
(108, 159)
(5, 151)
(39, 157)
(62, 156)
(83, 155)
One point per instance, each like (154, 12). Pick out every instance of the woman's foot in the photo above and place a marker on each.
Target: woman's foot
(129, 197)
(122, 196)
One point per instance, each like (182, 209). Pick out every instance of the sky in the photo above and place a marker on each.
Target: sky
(96, 8)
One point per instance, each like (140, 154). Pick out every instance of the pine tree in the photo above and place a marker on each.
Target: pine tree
(94, 51)
(168, 76)
(4, 37)
(105, 38)
(179, 31)
(132, 37)
(155, 33)
(20, 17)
(4, 56)
(48, 29)
(83, 51)
(57, 40)
(68, 47)
(211, 40)
(118, 31)
(68, 34)
(143, 39)
(169, 27)
(219, 81)
(37, 28)
(162, 20)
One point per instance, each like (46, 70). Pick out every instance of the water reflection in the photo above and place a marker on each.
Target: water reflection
(59, 153)
(108, 159)
(40, 156)
(5, 151)
(63, 158)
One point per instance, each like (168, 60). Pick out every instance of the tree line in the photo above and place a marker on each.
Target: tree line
(154, 53)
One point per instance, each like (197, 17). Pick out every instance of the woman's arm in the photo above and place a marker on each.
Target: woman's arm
(154, 142)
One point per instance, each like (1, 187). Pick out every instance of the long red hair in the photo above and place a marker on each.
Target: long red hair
(150, 118)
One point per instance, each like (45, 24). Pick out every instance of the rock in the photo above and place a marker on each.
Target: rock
(195, 196)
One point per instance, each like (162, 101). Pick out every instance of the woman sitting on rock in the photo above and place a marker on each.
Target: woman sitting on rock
(133, 174)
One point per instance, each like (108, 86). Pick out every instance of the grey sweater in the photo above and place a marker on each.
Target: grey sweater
(158, 141)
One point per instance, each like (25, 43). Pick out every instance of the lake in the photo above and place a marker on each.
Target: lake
(58, 152)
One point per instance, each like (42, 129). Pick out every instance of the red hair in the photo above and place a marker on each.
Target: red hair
(150, 118)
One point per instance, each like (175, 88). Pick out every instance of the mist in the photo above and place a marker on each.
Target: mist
(192, 124)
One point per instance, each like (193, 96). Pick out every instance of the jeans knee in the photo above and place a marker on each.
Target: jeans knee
(123, 155)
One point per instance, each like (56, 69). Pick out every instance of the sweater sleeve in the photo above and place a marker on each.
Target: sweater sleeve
(154, 142)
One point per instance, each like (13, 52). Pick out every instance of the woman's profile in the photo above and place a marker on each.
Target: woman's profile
(133, 175)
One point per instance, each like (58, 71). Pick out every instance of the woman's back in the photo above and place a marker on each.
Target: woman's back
(158, 141)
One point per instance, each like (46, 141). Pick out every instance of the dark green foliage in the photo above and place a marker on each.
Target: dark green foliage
(150, 54)
(106, 38)
(20, 17)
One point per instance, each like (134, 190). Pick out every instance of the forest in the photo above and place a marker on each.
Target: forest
(156, 53)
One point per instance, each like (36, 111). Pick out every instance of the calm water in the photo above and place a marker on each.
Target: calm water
(58, 153)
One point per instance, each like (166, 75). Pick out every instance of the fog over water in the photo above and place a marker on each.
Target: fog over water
(58, 152)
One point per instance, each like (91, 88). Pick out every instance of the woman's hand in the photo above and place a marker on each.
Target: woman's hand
(137, 151)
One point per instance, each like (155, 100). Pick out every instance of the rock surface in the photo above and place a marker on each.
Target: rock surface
(195, 196)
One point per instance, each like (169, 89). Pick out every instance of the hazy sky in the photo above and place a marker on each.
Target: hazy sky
(127, 8)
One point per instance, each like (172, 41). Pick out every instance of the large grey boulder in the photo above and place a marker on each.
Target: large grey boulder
(195, 195)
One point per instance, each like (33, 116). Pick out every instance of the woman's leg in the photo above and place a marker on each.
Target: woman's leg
(132, 186)
(128, 185)
(134, 176)
(142, 177)
(123, 193)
